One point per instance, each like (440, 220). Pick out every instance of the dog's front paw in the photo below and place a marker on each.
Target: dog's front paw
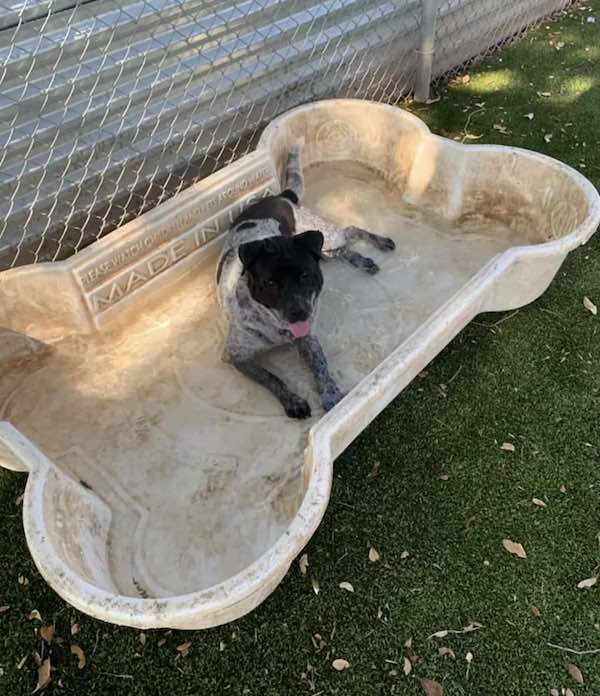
(386, 244)
(296, 407)
(331, 397)
(369, 266)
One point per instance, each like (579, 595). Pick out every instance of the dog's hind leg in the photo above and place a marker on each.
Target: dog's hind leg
(294, 405)
(312, 353)
(294, 179)
(357, 234)
(363, 263)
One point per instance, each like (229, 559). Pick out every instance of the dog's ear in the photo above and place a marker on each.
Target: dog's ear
(312, 240)
(249, 252)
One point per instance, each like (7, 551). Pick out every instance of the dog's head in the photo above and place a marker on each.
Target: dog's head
(284, 275)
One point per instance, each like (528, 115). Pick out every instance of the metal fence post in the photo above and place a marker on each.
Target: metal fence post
(425, 50)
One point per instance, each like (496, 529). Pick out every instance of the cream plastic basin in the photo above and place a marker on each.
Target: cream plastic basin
(165, 489)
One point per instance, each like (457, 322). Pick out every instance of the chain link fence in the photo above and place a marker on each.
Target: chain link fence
(109, 107)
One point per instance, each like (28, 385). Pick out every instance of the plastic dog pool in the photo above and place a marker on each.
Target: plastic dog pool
(164, 488)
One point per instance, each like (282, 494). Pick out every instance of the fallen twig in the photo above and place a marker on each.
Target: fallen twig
(466, 126)
(575, 652)
(120, 676)
(454, 376)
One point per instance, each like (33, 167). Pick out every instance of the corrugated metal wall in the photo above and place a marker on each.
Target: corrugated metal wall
(107, 108)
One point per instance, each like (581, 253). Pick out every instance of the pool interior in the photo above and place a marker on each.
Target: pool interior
(199, 466)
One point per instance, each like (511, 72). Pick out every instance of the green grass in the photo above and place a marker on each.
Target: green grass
(532, 379)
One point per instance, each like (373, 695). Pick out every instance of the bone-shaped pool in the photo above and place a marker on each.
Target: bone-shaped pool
(165, 489)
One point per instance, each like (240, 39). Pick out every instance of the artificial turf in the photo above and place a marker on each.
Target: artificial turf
(445, 496)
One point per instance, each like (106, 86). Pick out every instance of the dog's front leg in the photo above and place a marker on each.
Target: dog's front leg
(294, 405)
(311, 351)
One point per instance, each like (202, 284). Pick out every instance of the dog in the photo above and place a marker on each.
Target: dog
(269, 280)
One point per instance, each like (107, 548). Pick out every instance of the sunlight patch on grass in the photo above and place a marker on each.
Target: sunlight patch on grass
(575, 87)
(494, 80)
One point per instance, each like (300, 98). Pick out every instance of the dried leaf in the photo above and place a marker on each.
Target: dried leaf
(315, 585)
(374, 473)
(473, 626)
(404, 555)
(547, 137)
(318, 642)
(407, 666)
(568, 692)
(529, 116)
(514, 547)
(431, 687)
(536, 612)
(21, 662)
(184, 649)
(587, 584)
(303, 563)
(443, 651)
(79, 654)
(469, 659)
(373, 555)
(439, 634)
(43, 675)
(502, 129)
(161, 642)
(22, 580)
(508, 447)
(538, 502)
(444, 477)
(19, 499)
(142, 638)
(346, 586)
(47, 633)
(563, 488)
(33, 615)
(544, 94)
(74, 629)
(340, 665)
(575, 673)
(590, 306)
(408, 643)
(554, 692)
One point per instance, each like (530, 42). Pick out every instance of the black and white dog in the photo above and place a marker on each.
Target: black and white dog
(269, 281)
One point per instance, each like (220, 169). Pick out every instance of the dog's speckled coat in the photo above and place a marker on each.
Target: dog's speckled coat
(254, 327)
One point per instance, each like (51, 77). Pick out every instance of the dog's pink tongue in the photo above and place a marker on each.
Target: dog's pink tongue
(300, 329)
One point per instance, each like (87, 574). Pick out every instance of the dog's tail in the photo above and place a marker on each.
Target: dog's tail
(294, 181)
